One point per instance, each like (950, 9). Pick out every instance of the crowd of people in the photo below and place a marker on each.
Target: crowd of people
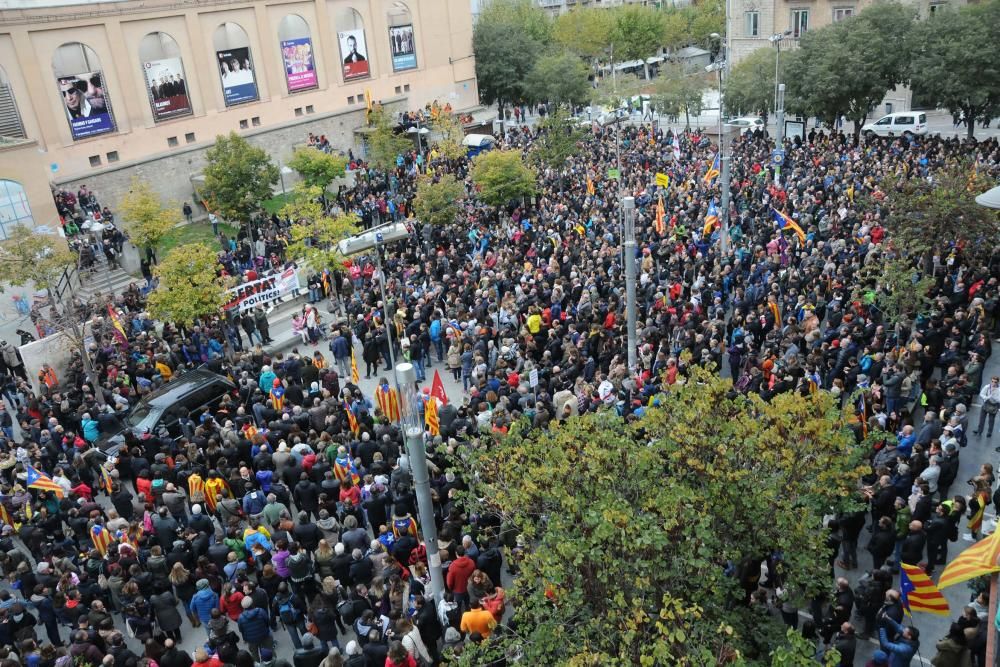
(288, 511)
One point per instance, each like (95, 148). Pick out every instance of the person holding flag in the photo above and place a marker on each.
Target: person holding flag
(352, 420)
(387, 400)
(786, 223)
(713, 172)
(101, 538)
(711, 219)
(431, 420)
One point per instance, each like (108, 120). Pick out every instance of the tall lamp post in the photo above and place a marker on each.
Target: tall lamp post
(719, 66)
(628, 205)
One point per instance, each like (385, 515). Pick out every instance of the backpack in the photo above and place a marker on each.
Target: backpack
(288, 612)
(868, 594)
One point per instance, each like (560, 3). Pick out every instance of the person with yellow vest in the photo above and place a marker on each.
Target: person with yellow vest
(47, 379)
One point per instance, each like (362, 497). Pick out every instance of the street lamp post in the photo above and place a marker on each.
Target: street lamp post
(779, 134)
(723, 156)
(628, 205)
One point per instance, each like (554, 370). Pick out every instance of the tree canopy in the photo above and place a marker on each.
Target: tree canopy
(238, 177)
(146, 219)
(957, 64)
(679, 90)
(750, 85)
(645, 539)
(189, 285)
(505, 54)
(585, 32)
(502, 177)
(30, 258)
(384, 144)
(450, 135)
(316, 167)
(314, 233)
(846, 68)
(559, 78)
(558, 139)
(437, 200)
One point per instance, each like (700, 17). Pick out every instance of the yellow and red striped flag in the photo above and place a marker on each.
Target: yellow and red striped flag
(5, 516)
(388, 401)
(119, 330)
(661, 225)
(106, 479)
(101, 538)
(919, 593)
(352, 421)
(42, 482)
(590, 186)
(977, 560)
(355, 376)
(431, 416)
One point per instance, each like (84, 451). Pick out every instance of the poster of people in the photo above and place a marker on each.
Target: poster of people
(236, 70)
(86, 104)
(167, 88)
(354, 51)
(300, 66)
(404, 51)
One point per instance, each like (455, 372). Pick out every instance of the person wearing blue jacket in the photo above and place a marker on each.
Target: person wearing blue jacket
(900, 652)
(203, 602)
(255, 626)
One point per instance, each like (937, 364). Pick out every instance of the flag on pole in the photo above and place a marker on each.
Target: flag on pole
(437, 388)
(5, 516)
(785, 222)
(661, 214)
(919, 593)
(101, 538)
(355, 378)
(713, 171)
(42, 482)
(352, 421)
(590, 186)
(431, 420)
(119, 331)
(977, 560)
(711, 218)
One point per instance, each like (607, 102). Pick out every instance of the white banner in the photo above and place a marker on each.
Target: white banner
(263, 291)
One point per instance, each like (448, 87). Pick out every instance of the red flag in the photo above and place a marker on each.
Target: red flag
(437, 388)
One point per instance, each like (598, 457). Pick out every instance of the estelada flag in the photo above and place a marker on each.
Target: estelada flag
(101, 538)
(437, 388)
(119, 330)
(977, 560)
(106, 479)
(355, 377)
(352, 421)
(42, 482)
(918, 592)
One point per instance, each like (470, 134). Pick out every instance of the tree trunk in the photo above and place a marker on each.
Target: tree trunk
(857, 131)
(687, 121)
(970, 124)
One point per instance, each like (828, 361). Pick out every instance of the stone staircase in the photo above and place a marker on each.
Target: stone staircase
(102, 280)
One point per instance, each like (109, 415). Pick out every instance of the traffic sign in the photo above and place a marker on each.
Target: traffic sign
(778, 157)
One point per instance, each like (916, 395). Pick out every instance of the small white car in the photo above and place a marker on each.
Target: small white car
(896, 124)
(747, 123)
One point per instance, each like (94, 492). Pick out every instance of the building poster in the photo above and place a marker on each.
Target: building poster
(300, 65)
(238, 82)
(404, 51)
(167, 88)
(354, 53)
(86, 104)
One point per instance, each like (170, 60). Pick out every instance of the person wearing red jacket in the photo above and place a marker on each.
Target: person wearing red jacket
(458, 577)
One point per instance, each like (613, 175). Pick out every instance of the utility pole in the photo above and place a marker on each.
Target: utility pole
(779, 131)
(406, 377)
(628, 204)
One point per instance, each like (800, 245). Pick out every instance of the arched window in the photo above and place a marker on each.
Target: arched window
(353, 47)
(232, 52)
(83, 90)
(402, 45)
(10, 119)
(297, 55)
(14, 209)
(163, 72)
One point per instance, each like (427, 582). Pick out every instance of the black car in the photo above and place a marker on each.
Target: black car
(194, 392)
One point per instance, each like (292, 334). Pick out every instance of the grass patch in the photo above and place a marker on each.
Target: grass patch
(276, 203)
(196, 232)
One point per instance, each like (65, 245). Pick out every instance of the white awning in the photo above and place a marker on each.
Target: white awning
(990, 198)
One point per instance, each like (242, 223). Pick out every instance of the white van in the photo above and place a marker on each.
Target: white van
(899, 123)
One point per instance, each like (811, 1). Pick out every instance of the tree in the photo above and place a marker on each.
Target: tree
(437, 200)
(750, 85)
(897, 288)
(558, 139)
(238, 177)
(559, 78)
(585, 32)
(450, 136)
(926, 215)
(680, 90)
(314, 233)
(846, 68)
(956, 66)
(384, 144)
(637, 33)
(318, 168)
(146, 219)
(645, 540)
(36, 259)
(506, 40)
(502, 176)
(189, 285)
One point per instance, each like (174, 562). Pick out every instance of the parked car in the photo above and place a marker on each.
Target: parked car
(747, 123)
(897, 124)
(194, 392)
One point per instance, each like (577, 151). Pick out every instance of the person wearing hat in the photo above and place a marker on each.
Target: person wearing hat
(203, 602)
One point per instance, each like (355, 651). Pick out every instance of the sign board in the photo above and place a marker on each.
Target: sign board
(262, 292)
(614, 173)
(533, 377)
(662, 180)
(778, 157)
